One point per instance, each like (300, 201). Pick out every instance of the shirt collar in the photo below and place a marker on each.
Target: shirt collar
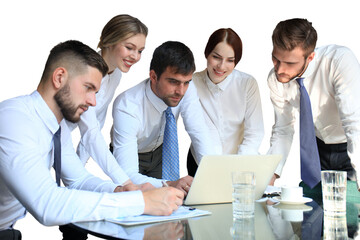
(154, 100)
(222, 85)
(44, 112)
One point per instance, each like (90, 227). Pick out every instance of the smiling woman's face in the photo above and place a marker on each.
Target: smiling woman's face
(126, 53)
(220, 62)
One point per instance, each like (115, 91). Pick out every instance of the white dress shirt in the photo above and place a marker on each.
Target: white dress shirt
(139, 123)
(27, 126)
(332, 80)
(91, 122)
(232, 111)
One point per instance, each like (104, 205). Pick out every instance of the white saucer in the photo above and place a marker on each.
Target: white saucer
(296, 207)
(300, 201)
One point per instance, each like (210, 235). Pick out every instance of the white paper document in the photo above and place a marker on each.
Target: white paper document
(181, 213)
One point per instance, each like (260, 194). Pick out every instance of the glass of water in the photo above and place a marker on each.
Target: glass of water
(243, 196)
(334, 192)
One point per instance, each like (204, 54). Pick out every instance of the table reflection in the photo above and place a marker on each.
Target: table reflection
(335, 227)
(270, 222)
(243, 229)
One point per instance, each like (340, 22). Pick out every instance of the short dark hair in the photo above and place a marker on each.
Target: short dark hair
(230, 37)
(293, 33)
(75, 57)
(175, 55)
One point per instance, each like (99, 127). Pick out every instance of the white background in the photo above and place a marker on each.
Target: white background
(29, 29)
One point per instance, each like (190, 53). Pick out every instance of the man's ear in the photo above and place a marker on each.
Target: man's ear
(59, 77)
(311, 56)
(153, 77)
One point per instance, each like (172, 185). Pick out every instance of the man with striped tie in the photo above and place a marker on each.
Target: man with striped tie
(145, 132)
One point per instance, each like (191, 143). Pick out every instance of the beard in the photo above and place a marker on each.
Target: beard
(68, 109)
(288, 77)
(167, 100)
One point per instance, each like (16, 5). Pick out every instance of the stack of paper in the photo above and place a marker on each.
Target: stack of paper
(181, 213)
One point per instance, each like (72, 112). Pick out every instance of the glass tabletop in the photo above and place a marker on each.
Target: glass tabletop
(271, 221)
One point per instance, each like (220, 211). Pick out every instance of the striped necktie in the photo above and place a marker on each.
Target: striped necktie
(170, 149)
(309, 154)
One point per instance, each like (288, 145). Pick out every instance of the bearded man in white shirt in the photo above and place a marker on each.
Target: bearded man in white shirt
(139, 116)
(71, 77)
(331, 76)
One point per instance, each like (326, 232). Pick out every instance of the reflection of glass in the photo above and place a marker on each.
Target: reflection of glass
(335, 227)
(243, 229)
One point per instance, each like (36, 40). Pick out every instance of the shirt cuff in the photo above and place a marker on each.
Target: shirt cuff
(130, 203)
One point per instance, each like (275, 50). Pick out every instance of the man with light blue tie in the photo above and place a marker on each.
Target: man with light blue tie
(145, 136)
(323, 85)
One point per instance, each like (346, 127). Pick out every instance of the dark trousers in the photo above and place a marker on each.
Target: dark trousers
(191, 164)
(335, 157)
(70, 233)
(10, 234)
(150, 163)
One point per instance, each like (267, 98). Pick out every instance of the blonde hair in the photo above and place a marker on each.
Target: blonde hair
(119, 28)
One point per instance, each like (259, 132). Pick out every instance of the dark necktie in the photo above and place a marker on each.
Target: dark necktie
(309, 154)
(57, 155)
(170, 149)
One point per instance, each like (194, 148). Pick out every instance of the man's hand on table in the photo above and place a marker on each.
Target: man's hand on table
(133, 187)
(162, 201)
(182, 184)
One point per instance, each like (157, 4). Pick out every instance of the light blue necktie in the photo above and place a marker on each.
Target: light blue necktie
(170, 149)
(57, 155)
(309, 154)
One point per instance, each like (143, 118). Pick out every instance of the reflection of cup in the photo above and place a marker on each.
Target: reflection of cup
(335, 227)
(292, 215)
(291, 194)
(243, 229)
(243, 195)
(334, 192)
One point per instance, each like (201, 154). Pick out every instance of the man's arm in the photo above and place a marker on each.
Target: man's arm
(94, 143)
(283, 128)
(126, 127)
(347, 87)
(24, 168)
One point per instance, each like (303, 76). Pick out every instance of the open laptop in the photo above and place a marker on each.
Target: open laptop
(212, 181)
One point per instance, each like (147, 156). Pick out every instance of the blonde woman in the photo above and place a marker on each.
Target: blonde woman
(122, 42)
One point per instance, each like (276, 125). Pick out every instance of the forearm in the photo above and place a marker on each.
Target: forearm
(94, 143)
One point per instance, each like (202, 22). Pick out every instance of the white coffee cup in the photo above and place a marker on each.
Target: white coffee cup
(291, 194)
